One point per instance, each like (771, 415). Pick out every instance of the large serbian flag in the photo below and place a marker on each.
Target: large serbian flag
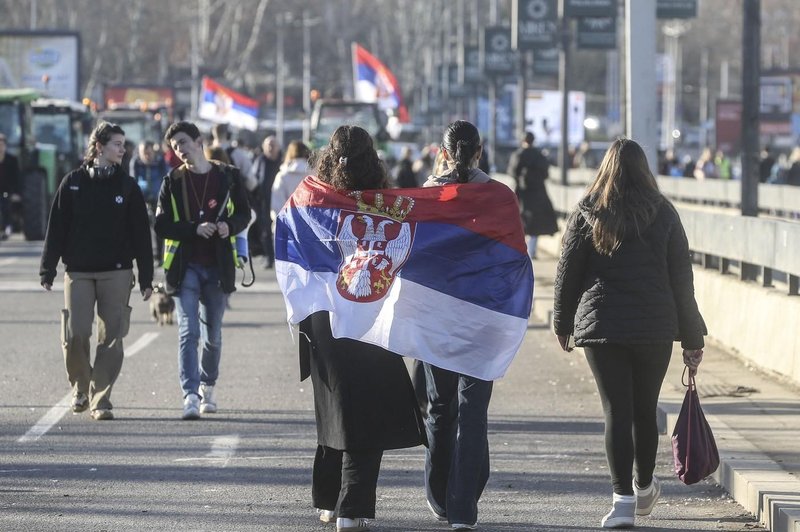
(224, 105)
(439, 274)
(375, 83)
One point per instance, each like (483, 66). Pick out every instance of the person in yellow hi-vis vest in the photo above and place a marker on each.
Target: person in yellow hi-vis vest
(201, 207)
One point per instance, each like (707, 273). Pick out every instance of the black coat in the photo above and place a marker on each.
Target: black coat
(642, 294)
(363, 397)
(98, 225)
(529, 168)
(9, 175)
(185, 230)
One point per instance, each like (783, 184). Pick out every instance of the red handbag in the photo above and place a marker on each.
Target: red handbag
(693, 446)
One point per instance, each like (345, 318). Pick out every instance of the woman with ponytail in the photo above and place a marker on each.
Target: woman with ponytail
(457, 468)
(98, 226)
(460, 152)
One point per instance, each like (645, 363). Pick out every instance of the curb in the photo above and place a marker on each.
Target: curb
(752, 478)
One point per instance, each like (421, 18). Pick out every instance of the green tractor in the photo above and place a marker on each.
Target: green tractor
(30, 210)
(65, 125)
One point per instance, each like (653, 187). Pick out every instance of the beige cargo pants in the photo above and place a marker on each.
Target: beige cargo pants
(111, 292)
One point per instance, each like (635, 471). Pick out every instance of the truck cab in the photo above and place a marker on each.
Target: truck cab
(330, 114)
(66, 125)
(29, 211)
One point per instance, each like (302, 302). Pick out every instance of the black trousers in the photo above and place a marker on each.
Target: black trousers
(629, 379)
(345, 481)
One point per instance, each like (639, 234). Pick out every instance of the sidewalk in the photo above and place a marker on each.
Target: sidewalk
(755, 418)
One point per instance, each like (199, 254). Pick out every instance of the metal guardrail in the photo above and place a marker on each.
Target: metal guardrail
(761, 246)
(780, 200)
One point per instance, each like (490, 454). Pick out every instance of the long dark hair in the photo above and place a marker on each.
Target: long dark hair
(350, 161)
(624, 197)
(102, 133)
(462, 141)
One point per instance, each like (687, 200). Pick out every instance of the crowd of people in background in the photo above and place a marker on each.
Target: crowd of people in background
(780, 169)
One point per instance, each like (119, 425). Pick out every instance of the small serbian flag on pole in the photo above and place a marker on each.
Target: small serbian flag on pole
(438, 274)
(374, 82)
(223, 105)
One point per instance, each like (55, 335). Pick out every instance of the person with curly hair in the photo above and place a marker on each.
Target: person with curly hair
(363, 398)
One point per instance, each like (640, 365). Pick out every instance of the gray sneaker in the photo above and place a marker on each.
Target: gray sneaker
(191, 407)
(646, 497)
(80, 402)
(622, 512)
(208, 404)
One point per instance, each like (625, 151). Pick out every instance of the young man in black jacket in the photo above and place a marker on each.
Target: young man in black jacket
(201, 206)
(98, 224)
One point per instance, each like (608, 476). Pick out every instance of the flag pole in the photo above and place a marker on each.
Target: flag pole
(353, 54)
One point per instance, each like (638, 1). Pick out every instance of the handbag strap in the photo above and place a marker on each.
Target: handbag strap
(692, 388)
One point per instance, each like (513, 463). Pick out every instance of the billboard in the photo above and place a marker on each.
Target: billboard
(543, 116)
(150, 97)
(48, 61)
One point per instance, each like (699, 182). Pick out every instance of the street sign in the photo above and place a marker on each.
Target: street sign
(597, 33)
(545, 62)
(676, 8)
(455, 88)
(590, 8)
(534, 24)
(472, 65)
(728, 126)
(498, 57)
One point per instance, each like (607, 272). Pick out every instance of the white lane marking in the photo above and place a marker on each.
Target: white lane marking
(223, 448)
(141, 343)
(9, 261)
(55, 414)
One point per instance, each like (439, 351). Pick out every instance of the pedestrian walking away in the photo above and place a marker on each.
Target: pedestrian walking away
(624, 290)
(265, 168)
(529, 168)
(98, 225)
(201, 206)
(457, 458)
(363, 398)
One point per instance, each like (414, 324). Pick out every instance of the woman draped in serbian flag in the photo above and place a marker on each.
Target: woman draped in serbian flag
(363, 398)
(439, 274)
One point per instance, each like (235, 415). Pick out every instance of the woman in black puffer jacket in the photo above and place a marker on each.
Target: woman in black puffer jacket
(624, 289)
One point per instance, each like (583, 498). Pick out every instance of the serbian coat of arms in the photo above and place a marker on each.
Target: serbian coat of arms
(375, 242)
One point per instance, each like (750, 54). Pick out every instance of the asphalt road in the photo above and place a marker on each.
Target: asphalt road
(249, 466)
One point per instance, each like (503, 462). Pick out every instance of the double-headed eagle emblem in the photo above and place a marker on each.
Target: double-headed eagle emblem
(375, 242)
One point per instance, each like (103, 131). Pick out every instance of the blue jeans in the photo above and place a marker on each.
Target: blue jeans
(200, 304)
(457, 458)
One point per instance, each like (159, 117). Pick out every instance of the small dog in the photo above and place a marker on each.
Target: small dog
(162, 306)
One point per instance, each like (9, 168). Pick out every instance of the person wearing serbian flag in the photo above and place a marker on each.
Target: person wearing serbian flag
(438, 274)
(363, 398)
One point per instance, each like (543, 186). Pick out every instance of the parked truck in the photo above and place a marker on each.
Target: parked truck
(30, 209)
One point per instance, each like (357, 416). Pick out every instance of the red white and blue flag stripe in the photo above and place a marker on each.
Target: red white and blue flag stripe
(439, 274)
(374, 82)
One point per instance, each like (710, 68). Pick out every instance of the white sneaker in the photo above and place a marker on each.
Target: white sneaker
(191, 407)
(208, 405)
(326, 516)
(646, 497)
(622, 512)
(356, 524)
